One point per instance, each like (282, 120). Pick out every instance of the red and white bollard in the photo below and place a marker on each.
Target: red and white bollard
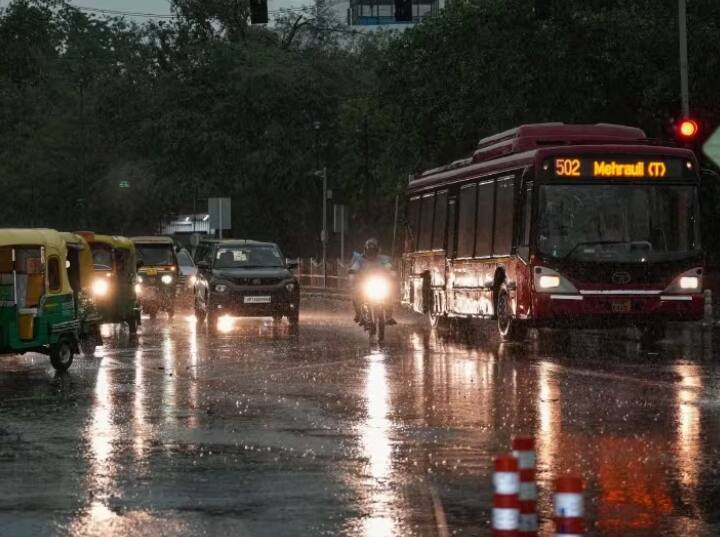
(569, 507)
(506, 503)
(524, 452)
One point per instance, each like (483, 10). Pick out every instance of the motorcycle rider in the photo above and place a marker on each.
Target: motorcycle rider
(369, 259)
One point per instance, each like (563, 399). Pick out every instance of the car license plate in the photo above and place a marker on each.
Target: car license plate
(621, 306)
(151, 272)
(257, 300)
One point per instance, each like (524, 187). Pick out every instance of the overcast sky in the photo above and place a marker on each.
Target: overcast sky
(160, 7)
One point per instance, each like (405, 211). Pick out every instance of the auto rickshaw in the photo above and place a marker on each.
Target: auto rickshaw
(158, 274)
(114, 285)
(40, 310)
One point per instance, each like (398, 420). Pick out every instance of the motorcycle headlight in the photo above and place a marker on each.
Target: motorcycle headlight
(166, 279)
(376, 288)
(100, 287)
(290, 287)
(138, 289)
(221, 287)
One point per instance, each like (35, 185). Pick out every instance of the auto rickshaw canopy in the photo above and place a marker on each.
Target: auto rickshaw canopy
(51, 241)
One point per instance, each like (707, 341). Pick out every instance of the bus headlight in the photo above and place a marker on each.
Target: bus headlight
(376, 288)
(221, 287)
(688, 282)
(166, 279)
(290, 287)
(100, 287)
(192, 280)
(549, 282)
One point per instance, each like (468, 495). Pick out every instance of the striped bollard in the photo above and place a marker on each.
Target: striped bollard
(524, 452)
(569, 507)
(506, 505)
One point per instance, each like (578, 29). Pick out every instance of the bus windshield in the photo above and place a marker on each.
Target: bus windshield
(618, 223)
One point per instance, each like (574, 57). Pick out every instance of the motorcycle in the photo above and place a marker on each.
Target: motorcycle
(375, 296)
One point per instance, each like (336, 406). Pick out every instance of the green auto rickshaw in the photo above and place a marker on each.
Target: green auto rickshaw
(114, 286)
(43, 307)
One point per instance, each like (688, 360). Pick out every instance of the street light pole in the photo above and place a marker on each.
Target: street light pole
(324, 226)
(682, 30)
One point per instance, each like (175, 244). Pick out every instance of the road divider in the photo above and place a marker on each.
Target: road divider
(524, 451)
(506, 501)
(569, 507)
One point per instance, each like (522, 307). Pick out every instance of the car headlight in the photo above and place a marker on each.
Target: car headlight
(550, 281)
(100, 287)
(221, 287)
(290, 287)
(689, 282)
(166, 279)
(138, 289)
(376, 288)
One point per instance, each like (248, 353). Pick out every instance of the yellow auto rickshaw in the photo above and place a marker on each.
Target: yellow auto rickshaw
(43, 307)
(114, 285)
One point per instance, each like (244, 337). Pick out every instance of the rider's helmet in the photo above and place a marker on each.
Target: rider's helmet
(372, 249)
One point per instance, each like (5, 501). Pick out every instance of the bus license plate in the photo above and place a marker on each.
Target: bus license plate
(257, 300)
(621, 306)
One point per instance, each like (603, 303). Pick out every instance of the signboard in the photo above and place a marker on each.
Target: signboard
(621, 168)
(124, 184)
(711, 148)
(220, 214)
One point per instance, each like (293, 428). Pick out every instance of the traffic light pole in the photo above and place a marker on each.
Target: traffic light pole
(682, 30)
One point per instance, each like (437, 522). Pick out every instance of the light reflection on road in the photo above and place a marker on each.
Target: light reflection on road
(380, 521)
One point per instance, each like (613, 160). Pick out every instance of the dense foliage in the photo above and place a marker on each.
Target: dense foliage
(205, 105)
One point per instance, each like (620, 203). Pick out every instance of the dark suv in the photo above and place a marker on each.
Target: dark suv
(248, 279)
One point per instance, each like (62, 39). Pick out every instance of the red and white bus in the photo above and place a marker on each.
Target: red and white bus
(558, 225)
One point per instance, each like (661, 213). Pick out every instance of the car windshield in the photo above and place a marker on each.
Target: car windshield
(248, 257)
(618, 223)
(102, 257)
(155, 254)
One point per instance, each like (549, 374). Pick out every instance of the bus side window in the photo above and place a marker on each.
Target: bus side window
(485, 218)
(413, 214)
(424, 240)
(451, 227)
(466, 221)
(441, 207)
(504, 216)
(524, 246)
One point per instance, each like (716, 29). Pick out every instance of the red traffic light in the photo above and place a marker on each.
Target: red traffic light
(687, 128)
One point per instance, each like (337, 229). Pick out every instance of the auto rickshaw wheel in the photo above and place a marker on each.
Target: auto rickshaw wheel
(62, 354)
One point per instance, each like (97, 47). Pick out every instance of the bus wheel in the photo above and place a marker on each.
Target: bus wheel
(510, 328)
(61, 354)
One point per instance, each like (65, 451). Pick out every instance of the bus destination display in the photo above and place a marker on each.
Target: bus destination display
(608, 167)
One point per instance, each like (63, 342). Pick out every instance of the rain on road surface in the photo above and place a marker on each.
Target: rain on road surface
(260, 432)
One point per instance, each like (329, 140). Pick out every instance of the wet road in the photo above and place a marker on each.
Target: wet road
(261, 432)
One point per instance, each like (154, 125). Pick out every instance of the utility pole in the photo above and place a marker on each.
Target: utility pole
(682, 30)
(324, 235)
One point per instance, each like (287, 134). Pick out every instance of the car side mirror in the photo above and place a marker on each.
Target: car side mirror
(292, 264)
(203, 265)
